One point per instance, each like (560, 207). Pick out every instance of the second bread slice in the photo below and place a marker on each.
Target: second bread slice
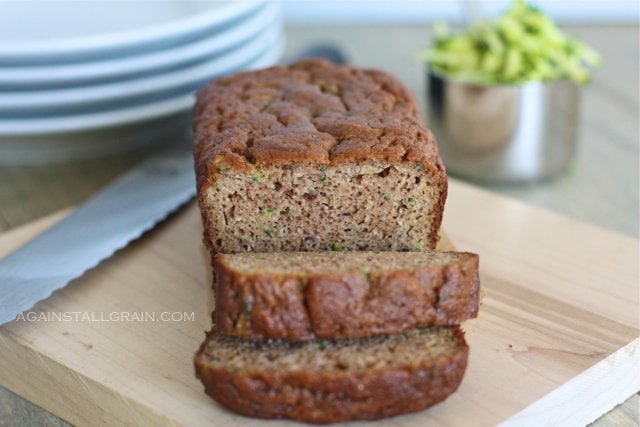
(306, 295)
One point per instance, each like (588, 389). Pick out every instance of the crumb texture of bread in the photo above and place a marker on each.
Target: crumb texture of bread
(333, 380)
(307, 295)
(314, 156)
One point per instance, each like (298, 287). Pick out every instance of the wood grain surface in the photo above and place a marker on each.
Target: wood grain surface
(601, 187)
(555, 317)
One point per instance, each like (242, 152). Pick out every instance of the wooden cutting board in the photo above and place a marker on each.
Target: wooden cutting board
(556, 341)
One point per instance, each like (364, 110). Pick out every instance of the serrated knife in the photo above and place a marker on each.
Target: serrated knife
(120, 213)
(111, 219)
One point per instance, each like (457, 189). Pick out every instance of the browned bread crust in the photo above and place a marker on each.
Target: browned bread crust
(306, 295)
(326, 395)
(312, 111)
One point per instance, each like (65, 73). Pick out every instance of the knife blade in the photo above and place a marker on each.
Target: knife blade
(111, 219)
(120, 213)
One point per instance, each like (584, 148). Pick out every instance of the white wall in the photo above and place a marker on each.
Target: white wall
(309, 12)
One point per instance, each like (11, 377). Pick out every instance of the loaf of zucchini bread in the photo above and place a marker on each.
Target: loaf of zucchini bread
(315, 156)
(306, 295)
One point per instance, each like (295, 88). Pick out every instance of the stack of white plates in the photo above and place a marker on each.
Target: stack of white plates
(88, 78)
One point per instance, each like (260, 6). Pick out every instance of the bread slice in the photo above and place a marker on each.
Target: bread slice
(305, 295)
(313, 156)
(333, 380)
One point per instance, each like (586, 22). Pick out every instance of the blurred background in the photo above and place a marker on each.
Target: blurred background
(418, 12)
(600, 184)
(89, 88)
(83, 81)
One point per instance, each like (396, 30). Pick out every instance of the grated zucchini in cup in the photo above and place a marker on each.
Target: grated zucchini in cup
(523, 45)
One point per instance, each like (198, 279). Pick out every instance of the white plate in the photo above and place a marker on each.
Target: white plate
(39, 129)
(43, 76)
(114, 95)
(90, 144)
(36, 32)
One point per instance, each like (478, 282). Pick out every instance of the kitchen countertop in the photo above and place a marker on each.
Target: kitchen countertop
(601, 187)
